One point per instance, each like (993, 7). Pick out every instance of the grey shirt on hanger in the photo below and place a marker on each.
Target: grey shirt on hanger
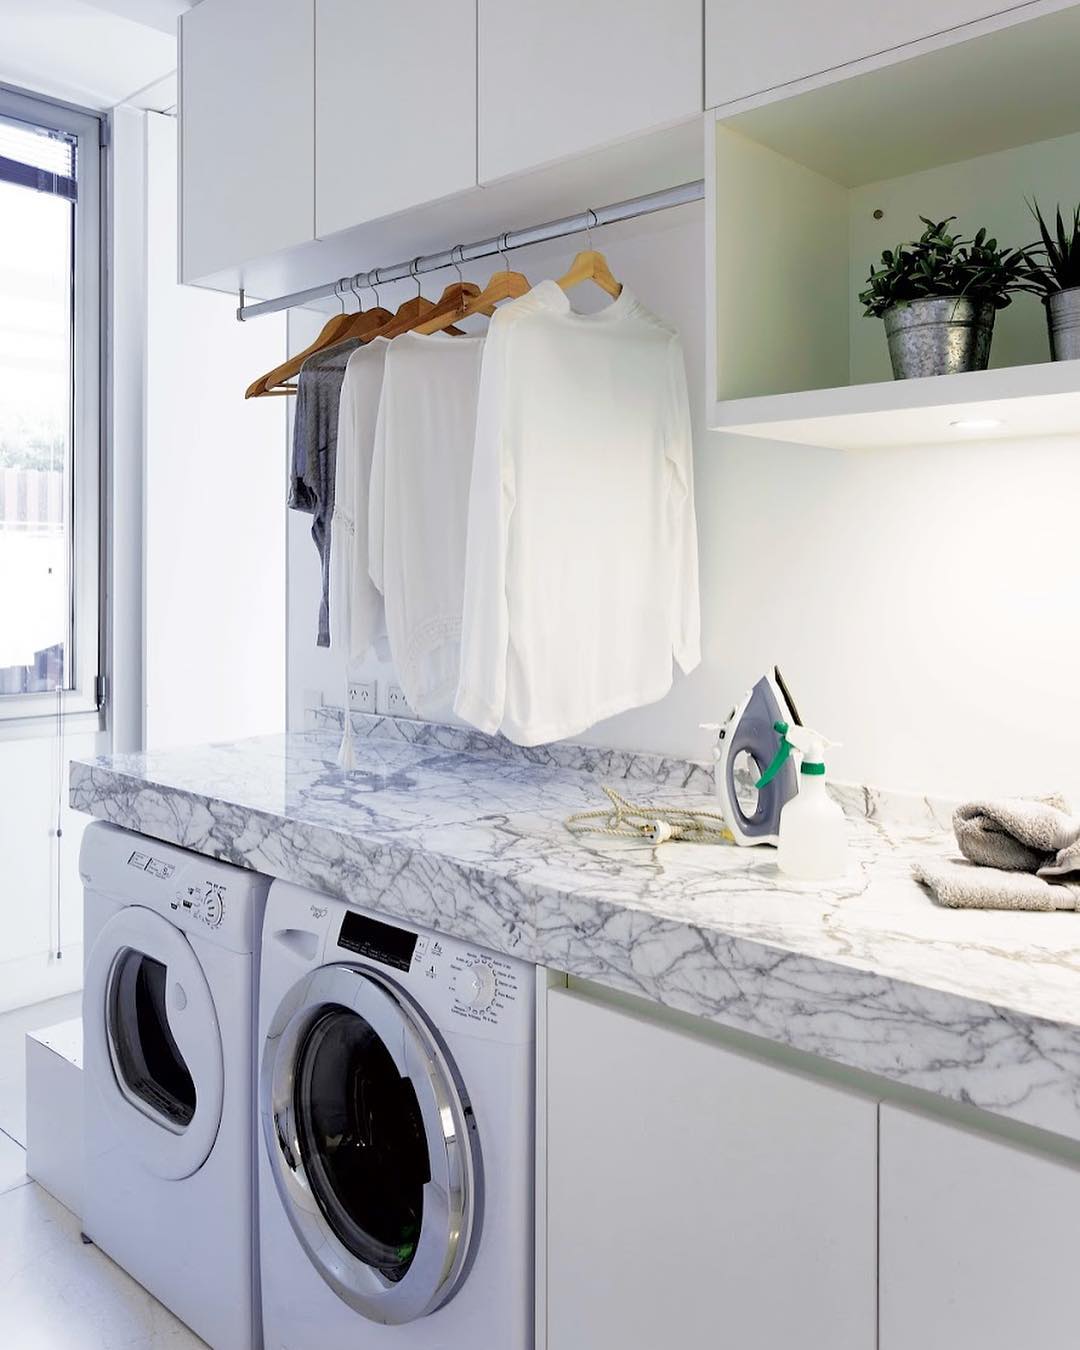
(314, 455)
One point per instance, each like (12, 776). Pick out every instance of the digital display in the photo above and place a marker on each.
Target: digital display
(377, 941)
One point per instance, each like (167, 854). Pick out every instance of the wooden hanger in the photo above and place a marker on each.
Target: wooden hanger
(331, 334)
(503, 285)
(366, 324)
(337, 329)
(419, 310)
(589, 265)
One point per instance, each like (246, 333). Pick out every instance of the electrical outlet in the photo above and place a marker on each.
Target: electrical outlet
(362, 696)
(397, 705)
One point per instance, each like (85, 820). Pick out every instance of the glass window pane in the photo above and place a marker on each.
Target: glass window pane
(148, 1061)
(362, 1140)
(36, 231)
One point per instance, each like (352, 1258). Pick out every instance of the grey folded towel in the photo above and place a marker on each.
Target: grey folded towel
(1022, 853)
(1020, 834)
(963, 885)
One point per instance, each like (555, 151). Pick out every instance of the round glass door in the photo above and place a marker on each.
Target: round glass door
(150, 1069)
(372, 1143)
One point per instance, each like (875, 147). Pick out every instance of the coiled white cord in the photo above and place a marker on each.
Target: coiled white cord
(651, 823)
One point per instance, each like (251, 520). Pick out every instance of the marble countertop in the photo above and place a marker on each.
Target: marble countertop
(979, 1007)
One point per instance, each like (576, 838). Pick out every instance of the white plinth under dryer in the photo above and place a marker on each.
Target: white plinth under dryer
(396, 1097)
(168, 1024)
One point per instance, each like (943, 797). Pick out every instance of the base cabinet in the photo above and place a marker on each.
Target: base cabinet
(978, 1241)
(697, 1197)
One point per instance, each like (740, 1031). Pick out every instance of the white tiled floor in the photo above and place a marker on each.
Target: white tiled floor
(61, 1295)
(12, 1158)
(55, 1292)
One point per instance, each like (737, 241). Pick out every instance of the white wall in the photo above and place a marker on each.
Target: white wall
(214, 527)
(39, 874)
(919, 602)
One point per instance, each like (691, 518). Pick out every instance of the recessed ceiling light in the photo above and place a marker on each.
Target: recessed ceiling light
(977, 423)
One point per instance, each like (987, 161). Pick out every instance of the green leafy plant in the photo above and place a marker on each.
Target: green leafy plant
(942, 264)
(1054, 265)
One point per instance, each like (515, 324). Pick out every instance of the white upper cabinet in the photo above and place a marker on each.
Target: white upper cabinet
(247, 131)
(978, 1241)
(755, 45)
(696, 1197)
(563, 77)
(395, 107)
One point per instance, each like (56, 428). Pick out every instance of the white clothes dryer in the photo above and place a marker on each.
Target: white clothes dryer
(396, 1099)
(169, 1005)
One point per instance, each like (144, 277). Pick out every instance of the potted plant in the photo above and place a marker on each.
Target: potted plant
(1053, 272)
(938, 296)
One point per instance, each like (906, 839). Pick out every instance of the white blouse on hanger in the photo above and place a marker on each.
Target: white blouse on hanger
(582, 569)
(418, 509)
(356, 607)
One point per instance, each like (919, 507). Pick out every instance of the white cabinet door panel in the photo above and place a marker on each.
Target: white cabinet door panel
(978, 1241)
(395, 117)
(699, 1198)
(562, 77)
(754, 45)
(246, 126)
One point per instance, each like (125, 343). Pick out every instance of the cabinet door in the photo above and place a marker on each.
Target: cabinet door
(563, 77)
(395, 107)
(754, 45)
(697, 1197)
(247, 184)
(978, 1241)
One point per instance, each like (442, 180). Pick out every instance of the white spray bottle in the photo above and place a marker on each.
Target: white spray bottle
(813, 832)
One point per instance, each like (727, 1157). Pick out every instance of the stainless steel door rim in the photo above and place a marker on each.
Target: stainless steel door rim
(450, 1220)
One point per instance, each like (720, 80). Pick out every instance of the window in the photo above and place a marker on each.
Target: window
(50, 283)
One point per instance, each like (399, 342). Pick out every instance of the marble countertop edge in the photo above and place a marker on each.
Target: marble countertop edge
(970, 1049)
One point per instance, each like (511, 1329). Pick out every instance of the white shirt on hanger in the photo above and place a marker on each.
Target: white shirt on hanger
(356, 607)
(418, 508)
(582, 570)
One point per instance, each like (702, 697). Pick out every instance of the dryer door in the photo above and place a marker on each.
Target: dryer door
(153, 1046)
(372, 1143)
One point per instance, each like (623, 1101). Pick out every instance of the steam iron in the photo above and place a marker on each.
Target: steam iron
(746, 746)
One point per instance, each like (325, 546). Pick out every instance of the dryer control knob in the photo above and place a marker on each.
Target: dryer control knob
(478, 987)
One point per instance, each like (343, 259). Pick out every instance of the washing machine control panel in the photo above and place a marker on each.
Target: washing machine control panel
(480, 990)
(204, 901)
(481, 985)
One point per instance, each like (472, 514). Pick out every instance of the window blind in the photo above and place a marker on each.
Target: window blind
(38, 158)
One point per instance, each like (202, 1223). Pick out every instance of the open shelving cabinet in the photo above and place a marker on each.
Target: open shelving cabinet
(803, 193)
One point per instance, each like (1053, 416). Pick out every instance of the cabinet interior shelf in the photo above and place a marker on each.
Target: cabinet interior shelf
(804, 194)
(1015, 402)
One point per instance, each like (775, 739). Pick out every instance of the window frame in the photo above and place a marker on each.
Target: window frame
(32, 712)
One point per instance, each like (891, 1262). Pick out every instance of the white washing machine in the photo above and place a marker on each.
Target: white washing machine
(396, 1098)
(169, 1007)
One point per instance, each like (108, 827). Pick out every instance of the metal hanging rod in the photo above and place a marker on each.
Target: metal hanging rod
(484, 248)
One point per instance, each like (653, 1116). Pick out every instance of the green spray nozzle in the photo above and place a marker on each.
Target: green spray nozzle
(810, 744)
(779, 759)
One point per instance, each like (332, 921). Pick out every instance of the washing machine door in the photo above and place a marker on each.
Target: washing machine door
(152, 1042)
(372, 1143)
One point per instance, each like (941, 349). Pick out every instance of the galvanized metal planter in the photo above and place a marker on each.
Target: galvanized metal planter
(939, 336)
(1063, 323)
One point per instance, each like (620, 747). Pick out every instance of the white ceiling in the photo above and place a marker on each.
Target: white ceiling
(96, 53)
